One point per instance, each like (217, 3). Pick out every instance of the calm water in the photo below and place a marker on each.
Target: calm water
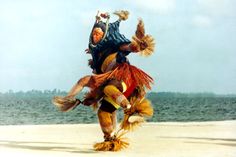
(39, 110)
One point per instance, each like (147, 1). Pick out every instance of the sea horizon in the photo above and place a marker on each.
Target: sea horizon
(35, 107)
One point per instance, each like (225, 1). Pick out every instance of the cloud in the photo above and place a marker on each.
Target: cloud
(202, 21)
(159, 6)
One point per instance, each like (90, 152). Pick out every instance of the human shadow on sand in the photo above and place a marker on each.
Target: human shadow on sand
(46, 146)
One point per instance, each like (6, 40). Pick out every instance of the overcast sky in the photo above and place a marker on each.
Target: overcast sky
(42, 42)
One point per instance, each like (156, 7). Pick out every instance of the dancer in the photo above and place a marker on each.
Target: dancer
(115, 82)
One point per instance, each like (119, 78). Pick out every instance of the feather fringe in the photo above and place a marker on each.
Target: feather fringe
(123, 15)
(117, 144)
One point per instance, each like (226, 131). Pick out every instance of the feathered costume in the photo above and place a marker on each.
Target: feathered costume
(116, 82)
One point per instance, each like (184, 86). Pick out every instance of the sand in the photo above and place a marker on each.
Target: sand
(171, 139)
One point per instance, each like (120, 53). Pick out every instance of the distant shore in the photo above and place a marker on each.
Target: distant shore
(171, 139)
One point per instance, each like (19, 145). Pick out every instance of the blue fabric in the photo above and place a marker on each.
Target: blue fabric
(110, 44)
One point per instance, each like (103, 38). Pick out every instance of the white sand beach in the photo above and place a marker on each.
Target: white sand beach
(169, 139)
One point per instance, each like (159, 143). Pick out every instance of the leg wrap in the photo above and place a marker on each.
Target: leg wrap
(115, 97)
(106, 123)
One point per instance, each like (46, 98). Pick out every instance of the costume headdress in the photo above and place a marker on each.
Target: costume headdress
(99, 23)
(123, 15)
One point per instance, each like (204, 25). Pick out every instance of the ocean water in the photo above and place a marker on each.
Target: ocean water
(38, 109)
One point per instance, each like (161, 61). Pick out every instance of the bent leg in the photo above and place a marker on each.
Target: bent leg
(113, 93)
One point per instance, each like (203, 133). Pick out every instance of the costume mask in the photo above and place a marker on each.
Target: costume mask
(97, 35)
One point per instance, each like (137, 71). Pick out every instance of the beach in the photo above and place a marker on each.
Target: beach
(165, 139)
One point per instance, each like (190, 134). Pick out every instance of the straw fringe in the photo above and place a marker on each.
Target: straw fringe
(140, 31)
(117, 144)
(123, 14)
(144, 43)
(124, 72)
(65, 104)
(126, 125)
(144, 109)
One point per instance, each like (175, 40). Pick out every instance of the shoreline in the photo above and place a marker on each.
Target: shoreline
(162, 122)
(171, 139)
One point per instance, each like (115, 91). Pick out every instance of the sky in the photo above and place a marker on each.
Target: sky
(42, 42)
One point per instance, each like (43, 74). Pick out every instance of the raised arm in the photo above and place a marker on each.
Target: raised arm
(142, 43)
